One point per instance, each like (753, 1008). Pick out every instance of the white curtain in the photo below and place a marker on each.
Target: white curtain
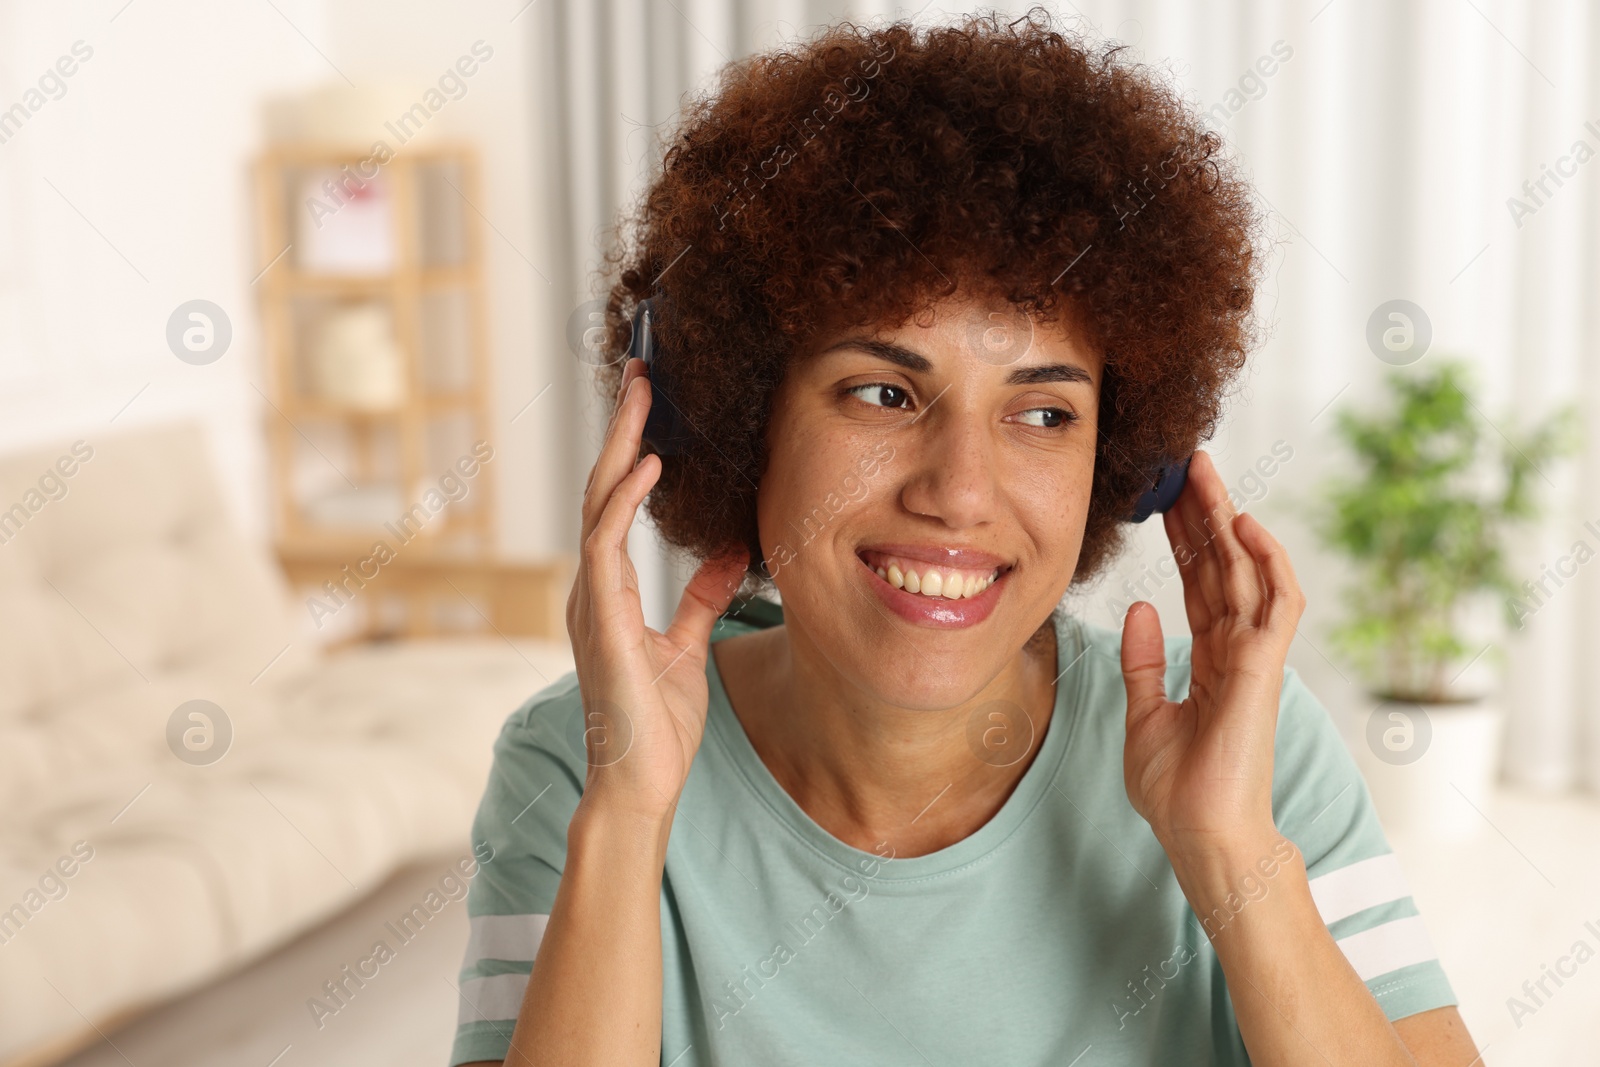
(1387, 142)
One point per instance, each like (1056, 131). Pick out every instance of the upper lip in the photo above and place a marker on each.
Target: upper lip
(966, 559)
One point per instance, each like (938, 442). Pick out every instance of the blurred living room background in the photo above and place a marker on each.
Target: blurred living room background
(296, 407)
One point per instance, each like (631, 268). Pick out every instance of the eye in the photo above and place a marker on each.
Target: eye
(1047, 418)
(881, 394)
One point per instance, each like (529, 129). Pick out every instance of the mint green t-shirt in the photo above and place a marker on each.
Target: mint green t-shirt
(1054, 935)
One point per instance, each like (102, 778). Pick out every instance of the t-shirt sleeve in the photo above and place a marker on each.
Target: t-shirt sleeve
(534, 785)
(1321, 803)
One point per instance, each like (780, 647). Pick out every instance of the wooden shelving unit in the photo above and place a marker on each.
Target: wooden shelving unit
(375, 326)
(434, 260)
(495, 596)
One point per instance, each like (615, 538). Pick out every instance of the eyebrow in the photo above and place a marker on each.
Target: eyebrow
(1038, 374)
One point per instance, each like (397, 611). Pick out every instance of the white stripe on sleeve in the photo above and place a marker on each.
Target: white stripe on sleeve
(1341, 893)
(505, 937)
(497, 998)
(1388, 947)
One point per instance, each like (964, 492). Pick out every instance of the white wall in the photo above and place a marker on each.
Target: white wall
(124, 198)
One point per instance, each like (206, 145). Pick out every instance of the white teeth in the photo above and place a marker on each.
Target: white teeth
(948, 585)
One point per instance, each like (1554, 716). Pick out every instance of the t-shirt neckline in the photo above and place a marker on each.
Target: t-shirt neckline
(728, 732)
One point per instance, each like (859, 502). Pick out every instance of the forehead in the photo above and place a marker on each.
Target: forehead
(981, 330)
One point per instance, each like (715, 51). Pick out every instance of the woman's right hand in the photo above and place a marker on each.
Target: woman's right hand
(644, 693)
(595, 987)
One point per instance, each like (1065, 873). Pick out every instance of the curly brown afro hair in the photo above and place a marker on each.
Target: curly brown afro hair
(858, 177)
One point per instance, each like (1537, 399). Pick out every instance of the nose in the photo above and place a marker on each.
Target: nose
(954, 466)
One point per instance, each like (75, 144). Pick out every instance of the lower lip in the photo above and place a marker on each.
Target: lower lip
(935, 612)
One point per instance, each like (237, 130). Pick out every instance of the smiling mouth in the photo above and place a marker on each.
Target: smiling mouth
(928, 580)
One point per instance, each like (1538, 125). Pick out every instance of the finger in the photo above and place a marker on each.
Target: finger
(619, 407)
(1187, 558)
(705, 598)
(631, 369)
(1242, 583)
(1200, 534)
(1285, 601)
(1144, 662)
(618, 453)
(605, 550)
(1240, 579)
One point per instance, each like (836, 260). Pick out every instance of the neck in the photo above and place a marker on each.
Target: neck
(872, 773)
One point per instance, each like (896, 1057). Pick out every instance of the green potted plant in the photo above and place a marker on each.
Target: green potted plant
(1425, 520)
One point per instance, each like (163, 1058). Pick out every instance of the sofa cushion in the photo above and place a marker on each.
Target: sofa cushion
(126, 566)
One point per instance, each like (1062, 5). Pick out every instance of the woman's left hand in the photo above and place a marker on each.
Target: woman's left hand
(1200, 771)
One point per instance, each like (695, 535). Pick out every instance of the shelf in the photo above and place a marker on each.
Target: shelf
(518, 598)
(334, 155)
(298, 406)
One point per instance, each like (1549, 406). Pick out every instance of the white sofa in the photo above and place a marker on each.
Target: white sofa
(127, 591)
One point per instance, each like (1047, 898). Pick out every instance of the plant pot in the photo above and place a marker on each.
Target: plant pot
(1431, 768)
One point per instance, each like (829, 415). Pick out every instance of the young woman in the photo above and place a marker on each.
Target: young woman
(935, 306)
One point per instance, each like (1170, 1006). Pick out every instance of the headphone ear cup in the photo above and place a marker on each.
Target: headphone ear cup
(1169, 482)
(640, 340)
(663, 427)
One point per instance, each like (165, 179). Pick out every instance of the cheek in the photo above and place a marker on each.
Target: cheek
(814, 491)
(807, 476)
(1051, 501)
(1055, 484)
(786, 479)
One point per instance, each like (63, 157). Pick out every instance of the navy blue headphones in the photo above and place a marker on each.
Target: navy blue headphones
(669, 433)
(665, 428)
